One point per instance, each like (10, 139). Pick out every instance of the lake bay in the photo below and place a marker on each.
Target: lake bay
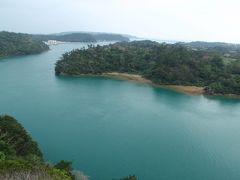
(112, 128)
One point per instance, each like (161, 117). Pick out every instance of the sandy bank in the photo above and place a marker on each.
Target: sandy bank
(187, 89)
(133, 77)
(194, 90)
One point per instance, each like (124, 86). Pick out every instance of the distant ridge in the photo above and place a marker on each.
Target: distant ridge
(203, 44)
(82, 37)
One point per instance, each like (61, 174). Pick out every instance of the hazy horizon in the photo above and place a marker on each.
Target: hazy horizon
(185, 20)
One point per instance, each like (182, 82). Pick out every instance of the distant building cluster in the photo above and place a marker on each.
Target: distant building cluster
(53, 42)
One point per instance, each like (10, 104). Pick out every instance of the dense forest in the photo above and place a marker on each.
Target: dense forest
(21, 158)
(81, 37)
(163, 64)
(12, 44)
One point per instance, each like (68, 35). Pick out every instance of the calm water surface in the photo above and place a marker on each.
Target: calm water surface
(113, 128)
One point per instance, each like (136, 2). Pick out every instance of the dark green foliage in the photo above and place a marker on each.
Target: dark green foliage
(12, 44)
(14, 165)
(14, 138)
(82, 37)
(160, 63)
(66, 166)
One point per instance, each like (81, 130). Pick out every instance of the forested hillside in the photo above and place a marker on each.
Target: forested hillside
(81, 37)
(12, 44)
(161, 63)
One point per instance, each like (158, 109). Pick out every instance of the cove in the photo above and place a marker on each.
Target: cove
(112, 128)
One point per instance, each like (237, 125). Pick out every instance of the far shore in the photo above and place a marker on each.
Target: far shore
(193, 90)
(190, 90)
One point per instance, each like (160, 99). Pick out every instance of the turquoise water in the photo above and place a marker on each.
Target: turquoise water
(112, 128)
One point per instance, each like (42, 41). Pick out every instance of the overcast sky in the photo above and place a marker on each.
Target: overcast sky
(208, 20)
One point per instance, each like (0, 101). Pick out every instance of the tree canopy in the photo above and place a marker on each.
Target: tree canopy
(12, 44)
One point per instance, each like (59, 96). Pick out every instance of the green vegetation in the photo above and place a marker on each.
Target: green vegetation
(66, 166)
(161, 63)
(20, 157)
(81, 37)
(12, 44)
(15, 141)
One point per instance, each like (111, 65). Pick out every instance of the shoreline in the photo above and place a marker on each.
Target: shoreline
(189, 90)
(192, 90)
(22, 55)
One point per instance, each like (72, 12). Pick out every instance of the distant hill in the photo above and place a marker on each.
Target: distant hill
(81, 37)
(225, 49)
(12, 44)
(202, 44)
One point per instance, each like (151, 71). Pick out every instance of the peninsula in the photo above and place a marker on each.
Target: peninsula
(172, 65)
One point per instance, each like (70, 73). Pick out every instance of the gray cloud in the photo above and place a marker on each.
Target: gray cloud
(215, 20)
